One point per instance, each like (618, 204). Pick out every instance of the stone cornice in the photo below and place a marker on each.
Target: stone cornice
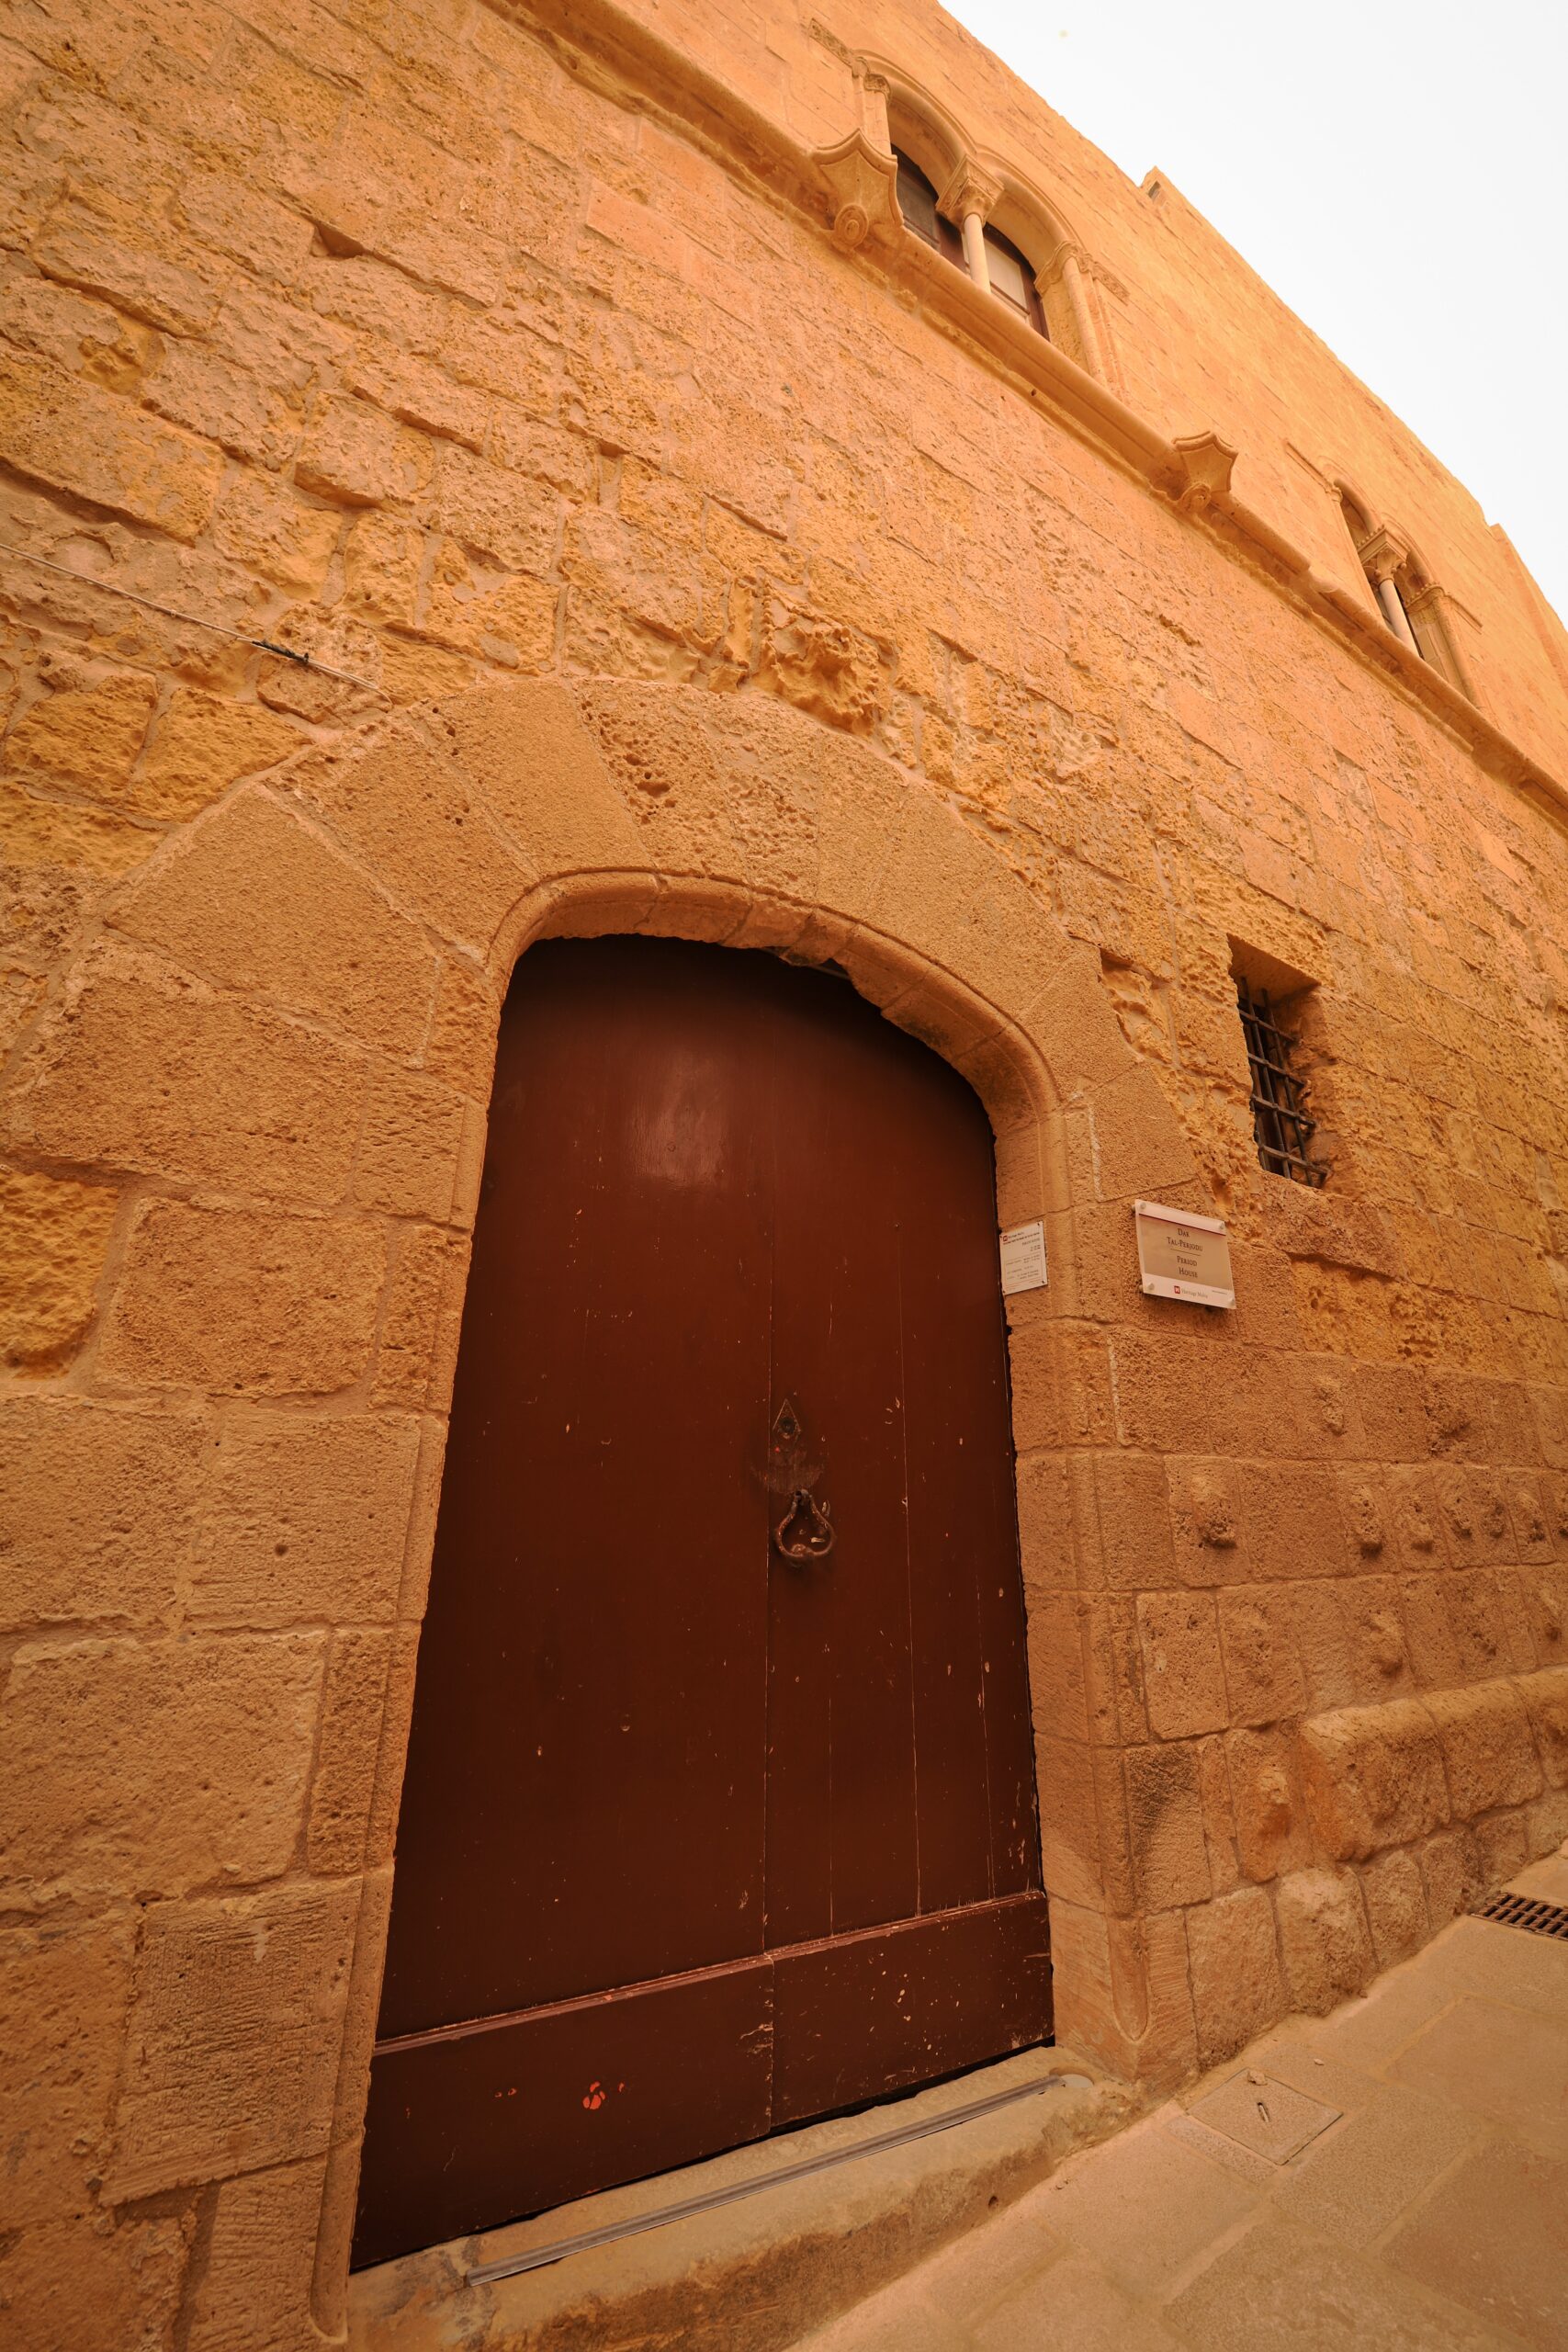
(614, 49)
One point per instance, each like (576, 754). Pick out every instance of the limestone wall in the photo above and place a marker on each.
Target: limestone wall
(420, 340)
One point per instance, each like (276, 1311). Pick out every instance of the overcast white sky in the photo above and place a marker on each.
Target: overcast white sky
(1398, 174)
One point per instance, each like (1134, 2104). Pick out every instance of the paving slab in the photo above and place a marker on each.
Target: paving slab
(1508, 2064)
(1429, 2213)
(1495, 2237)
(1291, 2290)
(1085, 2309)
(1354, 2183)
(1147, 2209)
(992, 2263)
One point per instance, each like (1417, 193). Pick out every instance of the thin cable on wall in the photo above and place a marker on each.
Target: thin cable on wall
(262, 644)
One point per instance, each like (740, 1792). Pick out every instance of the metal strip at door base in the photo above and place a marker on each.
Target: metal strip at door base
(538, 2257)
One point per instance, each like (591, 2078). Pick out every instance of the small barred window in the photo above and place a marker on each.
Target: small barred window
(1280, 1119)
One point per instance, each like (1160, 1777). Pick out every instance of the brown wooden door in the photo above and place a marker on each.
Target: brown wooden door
(699, 1838)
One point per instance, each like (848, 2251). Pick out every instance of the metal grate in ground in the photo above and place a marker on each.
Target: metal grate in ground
(1524, 1911)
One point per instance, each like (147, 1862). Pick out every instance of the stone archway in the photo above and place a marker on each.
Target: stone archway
(279, 1049)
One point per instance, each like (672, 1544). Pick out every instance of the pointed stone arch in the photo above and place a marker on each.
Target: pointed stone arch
(279, 1048)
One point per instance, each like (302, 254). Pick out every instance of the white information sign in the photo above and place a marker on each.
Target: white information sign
(1181, 1255)
(1024, 1258)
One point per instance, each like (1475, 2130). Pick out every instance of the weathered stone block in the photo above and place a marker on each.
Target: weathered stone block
(1488, 1753)
(1183, 1675)
(1395, 1898)
(54, 1238)
(227, 900)
(1139, 1144)
(1502, 1845)
(823, 666)
(97, 2285)
(88, 735)
(1236, 1985)
(1127, 1984)
(200, 745)
(1165, 1823)
(138, 1767)
(357, 454)
(412, 815)
(656, 747)
(180, 295)
(408, 1149)
(1292, 1517)
(39, 829)
(510, 620)
(193, 1086)
(1373, 1777)
(1219, 1815)
(461, 1044)
(1134, 1523)
(539, 772)
(197, 389)
(254, 2291)
(1084, 1043)
(1545, 1696)
(418, 1351)
(345, 1779)
(235, 1300)
(261, 524)
(1450, 1875)
(1206, 1521)
(234, 2033)
(97, 1510)
(1263, 1677)
(307, 1518)
(496, 512)
(1324, 1937)
(63, 1989)
(94, 446)
(1272, 1829)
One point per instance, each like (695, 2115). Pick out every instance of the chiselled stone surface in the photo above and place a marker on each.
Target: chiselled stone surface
(468, 490)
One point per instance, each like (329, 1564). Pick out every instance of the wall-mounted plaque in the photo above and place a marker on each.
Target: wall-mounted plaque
(1024, 1258)
(1181, 1255)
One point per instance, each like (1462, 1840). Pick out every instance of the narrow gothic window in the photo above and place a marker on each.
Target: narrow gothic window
(1013, 280)
(917, 203)
(1280, 1120)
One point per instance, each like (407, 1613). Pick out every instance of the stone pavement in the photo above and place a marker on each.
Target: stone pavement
(1412, 2191)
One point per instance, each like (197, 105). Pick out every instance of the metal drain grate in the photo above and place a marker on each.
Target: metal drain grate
(1523, 1911)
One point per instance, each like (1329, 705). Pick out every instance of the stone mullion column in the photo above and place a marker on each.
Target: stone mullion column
(1383, 556)
(969, 198)
(974, 232)
(1076, 293)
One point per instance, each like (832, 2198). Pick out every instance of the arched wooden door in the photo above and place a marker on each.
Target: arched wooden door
(719, 1804)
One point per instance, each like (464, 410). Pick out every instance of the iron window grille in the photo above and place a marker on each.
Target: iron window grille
(1280, 1120)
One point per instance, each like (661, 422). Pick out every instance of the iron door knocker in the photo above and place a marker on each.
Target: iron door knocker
(805, 1532)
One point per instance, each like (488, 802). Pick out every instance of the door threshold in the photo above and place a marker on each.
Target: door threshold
(749, 2250)
(512, 2265)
